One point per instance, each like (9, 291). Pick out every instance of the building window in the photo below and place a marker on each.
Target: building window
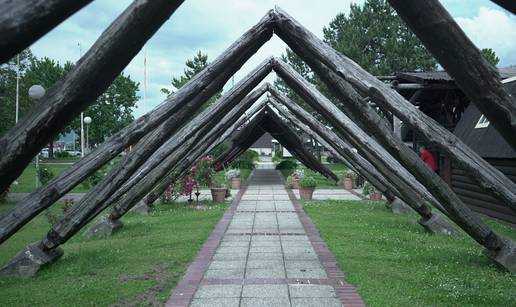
(483, 122)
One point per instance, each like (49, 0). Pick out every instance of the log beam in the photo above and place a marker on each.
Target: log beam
(92, 75)
(477, 78)
(308, 46)
(23, 22)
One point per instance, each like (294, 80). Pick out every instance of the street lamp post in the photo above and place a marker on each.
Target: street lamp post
(87, 121)
(36, 92)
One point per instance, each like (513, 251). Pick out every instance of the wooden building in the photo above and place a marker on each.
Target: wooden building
(436, 94)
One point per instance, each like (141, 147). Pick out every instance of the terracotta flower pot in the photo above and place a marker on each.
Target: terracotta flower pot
(218, 195)
(348, 184)
(306, 193)
(235, 183)
(376, 195)
(295, 183)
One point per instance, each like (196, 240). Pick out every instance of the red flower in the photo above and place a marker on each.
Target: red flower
(193, 169)
(218, 167)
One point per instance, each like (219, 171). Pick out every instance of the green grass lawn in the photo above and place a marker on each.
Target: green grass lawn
(140, 263)
(393, 262)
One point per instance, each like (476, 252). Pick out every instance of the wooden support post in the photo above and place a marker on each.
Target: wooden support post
(148, 152)
(455, 209)
(179, 161)
(308, 46)
(294, 144)
(186, 100)
(477, 78)
(92, 75)
(24, 22)
(375, 171)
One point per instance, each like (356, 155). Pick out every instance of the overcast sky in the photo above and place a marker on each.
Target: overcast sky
(212, 25)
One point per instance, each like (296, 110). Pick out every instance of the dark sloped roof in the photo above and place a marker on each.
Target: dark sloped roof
(442, 76)
(265, 141)
(487, 142)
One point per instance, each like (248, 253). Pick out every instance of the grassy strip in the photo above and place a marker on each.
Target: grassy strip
(392, 262)
(139, 264)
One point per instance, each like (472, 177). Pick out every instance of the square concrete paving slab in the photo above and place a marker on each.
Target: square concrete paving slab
(265, 264)
(265, 302)
(222, 291)
(266, 249)
(259, 244)
(265, 291)
(245, 238)
(265, 273)
(302, 264)
(224, 273)
(315, 302)
(233, 250)
(265, 238)
(234, 244)
(224, 256)
(227, 264)
(294, 238)
(215, 302)
(306, 273)
(265, 256)
(313, 291)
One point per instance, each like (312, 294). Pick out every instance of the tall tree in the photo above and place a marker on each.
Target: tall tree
(376, 38)
(8, 90)
(112, 111)
(193, 67)
(490, 56)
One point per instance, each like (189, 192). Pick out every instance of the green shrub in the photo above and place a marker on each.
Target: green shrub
(243, 164)
(45, 175)
(62, 154)
(368, 188)
(286, 164)
(218, 150)
(250, 155)
(307, 182)
(289, 181)
(277, 156)
(94, 178)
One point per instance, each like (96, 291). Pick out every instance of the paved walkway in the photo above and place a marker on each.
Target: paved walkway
(265, 251)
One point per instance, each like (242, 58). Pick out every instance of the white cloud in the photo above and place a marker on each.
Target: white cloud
(492, 28)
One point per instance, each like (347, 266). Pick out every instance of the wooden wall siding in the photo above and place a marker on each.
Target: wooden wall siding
(480, 201)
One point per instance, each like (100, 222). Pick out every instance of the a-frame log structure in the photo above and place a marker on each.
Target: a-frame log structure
(164, 136)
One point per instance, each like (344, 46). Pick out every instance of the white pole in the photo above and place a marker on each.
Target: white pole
(88, 137)
(145, 81)
(82, 114)
(17, 89)
(82, 134)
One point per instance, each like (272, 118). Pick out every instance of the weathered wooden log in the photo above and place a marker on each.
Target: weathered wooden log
(202, 86)
(477, 78)
(91, 202)
(24, 22)
(408, 193)
(455, 209)
(94, 72)
(506, 4)
(211, 130)
(311, 47)
(180, 160)
(289, 139)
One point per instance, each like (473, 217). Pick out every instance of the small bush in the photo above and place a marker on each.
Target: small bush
(62, 154)
(218, 150)
(232, 173)
(94, 178)
(286, 165)
(307, 182)
(368, 188)
(250, 155)
(45, 175)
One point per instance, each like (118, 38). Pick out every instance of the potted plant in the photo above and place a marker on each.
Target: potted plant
(371, 191)
(218, 191)
(348, 180)
(307, 186)
(233, 175)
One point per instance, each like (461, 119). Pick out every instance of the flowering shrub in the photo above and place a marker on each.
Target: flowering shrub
(232, 173)
(203, 171)
(350, 174)
(188, 185)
